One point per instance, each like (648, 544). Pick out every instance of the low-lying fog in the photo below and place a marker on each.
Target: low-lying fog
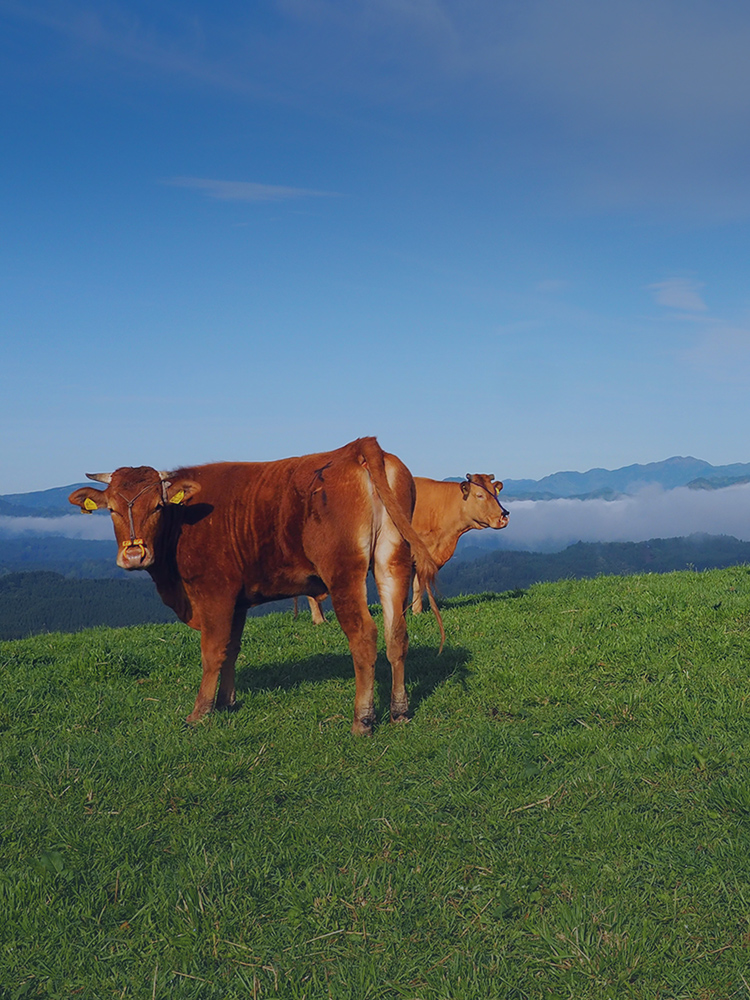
(551, 525)
(542, 526)
(89, 526)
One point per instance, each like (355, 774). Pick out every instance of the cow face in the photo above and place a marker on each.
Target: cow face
(480, 495)
(136, 499)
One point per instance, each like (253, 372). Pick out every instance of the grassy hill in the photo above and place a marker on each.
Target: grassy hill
(566, 815)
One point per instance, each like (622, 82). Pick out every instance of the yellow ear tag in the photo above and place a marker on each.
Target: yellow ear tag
(89, 505)
(178, 497)
(497, 490)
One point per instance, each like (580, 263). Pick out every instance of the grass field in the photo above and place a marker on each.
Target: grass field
(566, 815)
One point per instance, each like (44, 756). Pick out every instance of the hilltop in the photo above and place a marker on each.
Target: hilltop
(565, 815)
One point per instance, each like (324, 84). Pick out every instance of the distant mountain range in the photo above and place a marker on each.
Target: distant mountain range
(608, 484)
(602, 484)
(43, 503)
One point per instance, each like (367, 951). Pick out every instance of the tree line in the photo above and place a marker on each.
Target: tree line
(47, 601)
(501, 571)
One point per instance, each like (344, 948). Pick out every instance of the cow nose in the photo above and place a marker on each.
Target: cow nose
(133, 554)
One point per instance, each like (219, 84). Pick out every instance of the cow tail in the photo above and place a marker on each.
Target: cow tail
(425, 565)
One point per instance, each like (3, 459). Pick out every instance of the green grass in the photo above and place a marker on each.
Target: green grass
(566, 815)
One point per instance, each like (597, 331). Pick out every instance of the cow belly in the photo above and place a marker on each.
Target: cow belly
(279, 589)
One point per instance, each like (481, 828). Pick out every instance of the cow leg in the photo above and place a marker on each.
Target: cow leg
(350, 606)
(220, 643)
(226, 695)
(416, 597)
(318, 618)
(392, 569)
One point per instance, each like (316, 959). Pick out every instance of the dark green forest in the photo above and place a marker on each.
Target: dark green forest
(76, 558)
(48, 602)
(501, 571)
(56, 599)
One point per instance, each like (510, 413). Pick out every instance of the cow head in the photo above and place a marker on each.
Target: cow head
(136, 499)
(480, 494)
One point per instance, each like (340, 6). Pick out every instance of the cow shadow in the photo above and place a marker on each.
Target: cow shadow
(425, 672)
(470, 600)
(288, 675)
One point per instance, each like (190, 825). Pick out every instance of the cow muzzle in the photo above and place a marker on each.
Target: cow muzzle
(133, 554)
(501, 520)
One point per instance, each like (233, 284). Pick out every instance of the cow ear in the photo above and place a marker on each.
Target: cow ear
(88, 499)
(465, 487)
(181, 490)
(497, 486)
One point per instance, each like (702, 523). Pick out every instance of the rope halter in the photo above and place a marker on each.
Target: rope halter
(138, 543)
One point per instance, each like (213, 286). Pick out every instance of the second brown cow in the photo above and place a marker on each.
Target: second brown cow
(443, 512)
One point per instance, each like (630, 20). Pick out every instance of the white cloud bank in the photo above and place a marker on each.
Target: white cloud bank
(546, 526)
(91, 528)
(551, 525)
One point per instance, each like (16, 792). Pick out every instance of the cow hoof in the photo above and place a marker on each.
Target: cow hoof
(195, 717)
(227, 706)
(399, 717)
(363, 727)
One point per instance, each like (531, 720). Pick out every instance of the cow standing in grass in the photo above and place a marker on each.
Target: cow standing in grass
(219, 539)
(444, 511)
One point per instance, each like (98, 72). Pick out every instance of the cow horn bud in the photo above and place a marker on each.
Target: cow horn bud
(100, 477)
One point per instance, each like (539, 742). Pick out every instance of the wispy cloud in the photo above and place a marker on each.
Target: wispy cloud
(590, 85)
(722, 351)
(719, 348)
(552, 286)
(246, 190)
(679, 293)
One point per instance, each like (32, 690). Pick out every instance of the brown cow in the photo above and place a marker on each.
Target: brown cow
(444, 511)
(218, 539)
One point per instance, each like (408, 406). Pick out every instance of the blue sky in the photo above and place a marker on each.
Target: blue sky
(503, 237)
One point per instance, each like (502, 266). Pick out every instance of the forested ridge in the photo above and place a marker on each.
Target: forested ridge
(76, 558)
(500, 571)
(48, 602)
(45, 600)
